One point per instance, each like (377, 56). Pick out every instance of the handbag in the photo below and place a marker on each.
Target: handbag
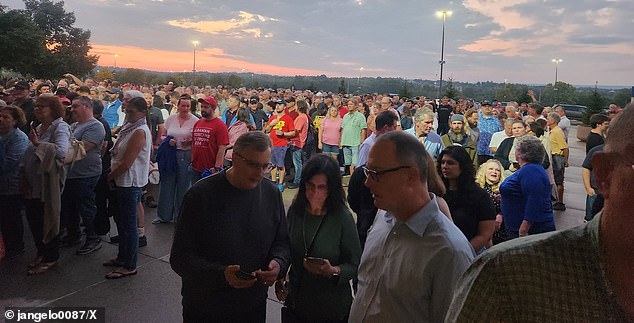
(76, 151)
(154, 177)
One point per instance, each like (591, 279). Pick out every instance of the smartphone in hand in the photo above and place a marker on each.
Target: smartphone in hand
(315, 260)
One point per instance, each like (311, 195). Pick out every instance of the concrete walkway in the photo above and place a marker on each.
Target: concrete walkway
(154, 294)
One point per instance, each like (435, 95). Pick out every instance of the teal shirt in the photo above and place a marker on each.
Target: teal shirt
(323, 298)
(351, 128)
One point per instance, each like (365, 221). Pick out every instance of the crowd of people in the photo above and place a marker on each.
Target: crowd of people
(432, 185)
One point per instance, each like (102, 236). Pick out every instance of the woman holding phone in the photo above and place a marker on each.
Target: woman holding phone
(325, 249)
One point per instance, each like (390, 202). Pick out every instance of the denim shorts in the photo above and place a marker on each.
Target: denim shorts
(351, 155)
(330, 149)
(277, 156)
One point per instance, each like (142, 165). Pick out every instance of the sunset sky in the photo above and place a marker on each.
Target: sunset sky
(485, 40)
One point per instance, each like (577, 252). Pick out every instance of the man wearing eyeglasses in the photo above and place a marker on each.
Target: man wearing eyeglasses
(414, 255)
(583, 274)
(229, 249)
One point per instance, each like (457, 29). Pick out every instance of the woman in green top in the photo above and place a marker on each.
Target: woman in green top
(325, 249)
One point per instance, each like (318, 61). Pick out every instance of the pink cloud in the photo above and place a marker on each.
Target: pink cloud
(207, 59)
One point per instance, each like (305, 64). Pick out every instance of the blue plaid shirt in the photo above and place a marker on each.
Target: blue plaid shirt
(488, 126)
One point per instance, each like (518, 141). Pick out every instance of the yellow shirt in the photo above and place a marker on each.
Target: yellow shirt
(557, 141)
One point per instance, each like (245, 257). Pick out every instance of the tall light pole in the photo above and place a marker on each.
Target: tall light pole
(442, 14)
(195, 43)
(556, 60)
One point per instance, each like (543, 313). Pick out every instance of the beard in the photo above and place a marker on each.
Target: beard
(204, 114)
(456, 137)
(473, 125)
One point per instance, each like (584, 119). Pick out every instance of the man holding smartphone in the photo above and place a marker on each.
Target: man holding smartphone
(231, 240)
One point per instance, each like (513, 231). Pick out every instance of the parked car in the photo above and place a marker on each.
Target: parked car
(573, 111)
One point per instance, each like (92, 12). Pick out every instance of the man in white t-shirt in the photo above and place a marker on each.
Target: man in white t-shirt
(499, 136)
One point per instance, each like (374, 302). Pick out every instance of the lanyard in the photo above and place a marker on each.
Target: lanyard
(312, 240)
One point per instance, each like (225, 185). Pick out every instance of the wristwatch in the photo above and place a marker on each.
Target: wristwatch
(336, 273)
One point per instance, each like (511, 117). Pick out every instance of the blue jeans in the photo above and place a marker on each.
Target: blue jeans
(173, 187)
(128, 197)
(298, 161)
(78, 202)
(589, 202)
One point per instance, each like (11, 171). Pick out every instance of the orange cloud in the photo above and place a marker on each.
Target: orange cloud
(234, 26)
(207, 59)
(500, 12)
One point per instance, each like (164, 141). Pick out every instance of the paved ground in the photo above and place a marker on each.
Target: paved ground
(154, 294)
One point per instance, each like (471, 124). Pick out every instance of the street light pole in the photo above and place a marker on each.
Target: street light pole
(556, 60)
(442, 14)
(195, 43)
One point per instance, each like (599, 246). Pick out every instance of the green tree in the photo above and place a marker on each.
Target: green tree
(21, 42)
(404, 91)
(595, 103)
(342, 87)
(566, 93)
(622, 97)
(66, 46)
(450, 91)
(104, 74)
(235, 81)
(132, 75)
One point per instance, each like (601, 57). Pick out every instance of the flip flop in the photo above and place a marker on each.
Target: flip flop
(119, 274)
(112, 263)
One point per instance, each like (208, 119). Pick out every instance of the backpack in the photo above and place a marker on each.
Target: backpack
(311, 138)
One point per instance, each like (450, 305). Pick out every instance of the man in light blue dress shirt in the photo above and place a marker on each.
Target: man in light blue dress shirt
(414, 255)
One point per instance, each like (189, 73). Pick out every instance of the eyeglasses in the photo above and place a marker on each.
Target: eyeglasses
(376, 175)
(265, 167)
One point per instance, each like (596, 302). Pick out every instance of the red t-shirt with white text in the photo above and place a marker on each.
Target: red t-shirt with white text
(207, 136)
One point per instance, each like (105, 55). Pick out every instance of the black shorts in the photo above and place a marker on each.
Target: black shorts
(558, 169)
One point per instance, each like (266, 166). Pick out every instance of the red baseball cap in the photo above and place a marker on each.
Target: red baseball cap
(209, 100)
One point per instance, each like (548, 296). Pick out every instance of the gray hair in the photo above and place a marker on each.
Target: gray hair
(256, 140)
(133, 94)
(510, 121)
(554, 116)
(408, 150)
(422, 113)
(530, 149)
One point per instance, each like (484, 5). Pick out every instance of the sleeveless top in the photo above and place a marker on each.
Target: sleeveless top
(137, 174)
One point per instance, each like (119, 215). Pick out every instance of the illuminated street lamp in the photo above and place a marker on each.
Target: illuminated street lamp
(442, 14)
(556, 60)
(195, 43)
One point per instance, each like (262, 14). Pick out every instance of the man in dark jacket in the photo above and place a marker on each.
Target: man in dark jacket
(230, 248)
